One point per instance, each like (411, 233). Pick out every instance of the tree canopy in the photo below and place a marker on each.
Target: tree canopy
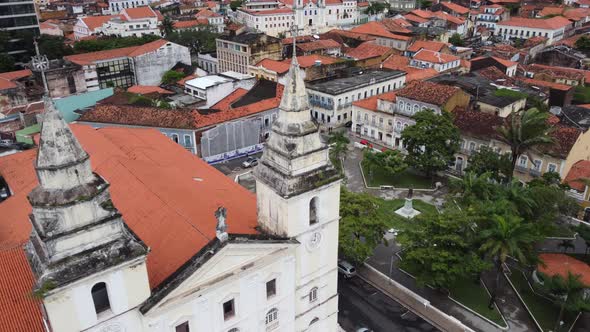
(583, 43)
(432, 142)
(391, 161)
(456, 40)
(202, 40)
(109, 43)
(486, 160)
(361, 225)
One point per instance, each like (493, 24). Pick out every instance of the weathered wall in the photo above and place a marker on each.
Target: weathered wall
(150, 67)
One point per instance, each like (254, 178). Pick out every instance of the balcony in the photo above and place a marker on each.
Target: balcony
(342, 106)
(521, 169)
(483, 19)
(467, 152)
(320, 104)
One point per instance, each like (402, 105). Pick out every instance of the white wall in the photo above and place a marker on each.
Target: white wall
(150, 67)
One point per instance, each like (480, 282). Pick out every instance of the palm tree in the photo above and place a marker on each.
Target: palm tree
(167, 26)
(567, 292)
(524, 131)
(507, 236)
(473, 186)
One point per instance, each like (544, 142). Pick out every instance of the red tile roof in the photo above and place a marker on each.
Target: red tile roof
(422, 13)
(139, 12)
(368, 50)
(504, 62)
(560, 72)
(426, 44)
(379, 30)
(552, 23)
(372, 102)
(398, 62)
(19, 310)
(7, 79)
(561, 264)
(449, 18)
(579, 170)
(434, 57)
(267, 12)
(133, 51)
(415, 18)
(280, 67)
(477, 124)
(190, 24)
(564, 138)
(93, 22)
(206, 13)
(428, 92)
(546, 84)
(455, 8)
(307, 61)
(318, 45)
(152, 184)
(350, 34)
(147, 89)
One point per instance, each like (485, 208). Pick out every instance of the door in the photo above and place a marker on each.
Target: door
(459, 164)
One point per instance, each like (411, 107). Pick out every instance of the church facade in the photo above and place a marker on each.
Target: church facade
(129, 232)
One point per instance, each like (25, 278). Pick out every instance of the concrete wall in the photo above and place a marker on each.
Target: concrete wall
(150, 67)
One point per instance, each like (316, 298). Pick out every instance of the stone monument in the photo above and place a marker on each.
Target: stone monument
(408, 211)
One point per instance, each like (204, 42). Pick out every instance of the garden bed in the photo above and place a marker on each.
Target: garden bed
(406, 179)
(542, 309)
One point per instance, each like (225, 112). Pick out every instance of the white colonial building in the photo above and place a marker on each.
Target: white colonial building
(178, 247)
(554, 28)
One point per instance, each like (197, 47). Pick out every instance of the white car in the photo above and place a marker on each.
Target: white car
(250, 162)
(346, 269)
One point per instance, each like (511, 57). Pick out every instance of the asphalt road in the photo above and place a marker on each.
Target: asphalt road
(361, 305)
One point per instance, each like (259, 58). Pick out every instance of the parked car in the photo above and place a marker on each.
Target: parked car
(346, 269)
(250, 162)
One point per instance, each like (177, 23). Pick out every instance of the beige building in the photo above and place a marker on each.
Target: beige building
(237, 52)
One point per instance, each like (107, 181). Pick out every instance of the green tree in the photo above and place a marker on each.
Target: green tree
(583, 43)
(473, 187)
(202, 40)
(456, 40)
(361, 227)
(109, 43)
(567, 293)
(432, 142)
(172, 76)
(6, 63)
(486, 160)
(391, 161)
(377, 8)
(54, 47)
(507, 235)
(338, 146)
(439, 249)
(524, 131)
(234, 5)
(167, 26)
(423, 4)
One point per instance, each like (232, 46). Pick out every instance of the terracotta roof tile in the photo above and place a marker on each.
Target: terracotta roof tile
(7, 79)
(190, 24)
(579, 170)
(546, 84)
(565, 138)
(434, 57)
(350, 34)
(379, 30)
(449, 18)
(455, 8)
(426, 44)
(147, 89)
(318, 45)
(93, 22)
(90, 58)
(19, 311)
(280, 67)
(422, 13)
(561, 264)
(415, 18)
(139, 12)
(559, 72)
(428, 92)
(206, 13)
(368, 50)
(398, 62)
(138, 163)
(552, 23)
(477, 124)
(307, 61)
(140, 116)
(372, 102)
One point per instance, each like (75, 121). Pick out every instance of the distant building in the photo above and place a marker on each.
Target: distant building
(237, 52)
(19, 20)
(136, 65)
(208, 62)
(441, 62)
(554, 28)
(214, 88)
(331, 100)
(136, 22)
(118, 5)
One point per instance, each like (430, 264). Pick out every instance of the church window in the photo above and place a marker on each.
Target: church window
(271, 288)
(313, 294)
(228, 309)
(313, 213)
(100, 297)
(182, 327)
(272, 316)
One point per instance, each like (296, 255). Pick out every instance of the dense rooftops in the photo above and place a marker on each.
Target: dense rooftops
(345, 84)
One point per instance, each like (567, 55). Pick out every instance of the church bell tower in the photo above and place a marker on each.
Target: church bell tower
(298, 196)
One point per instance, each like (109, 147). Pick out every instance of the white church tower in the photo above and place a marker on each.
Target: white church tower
(89, 266)
(298, 196)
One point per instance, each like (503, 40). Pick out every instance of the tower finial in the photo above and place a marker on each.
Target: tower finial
(40, 63)
(294, 32)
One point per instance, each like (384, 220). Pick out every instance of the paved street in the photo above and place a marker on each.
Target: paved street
(361, 305)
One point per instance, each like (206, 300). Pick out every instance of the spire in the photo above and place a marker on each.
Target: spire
(57, 147)
(294, 95)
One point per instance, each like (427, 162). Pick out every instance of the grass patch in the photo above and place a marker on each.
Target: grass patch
(582, 95)
(475, 297)
(387, 209)
(405, 179)
(544, 311)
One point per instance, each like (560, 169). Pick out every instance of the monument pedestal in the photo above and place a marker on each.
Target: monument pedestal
(407, 211)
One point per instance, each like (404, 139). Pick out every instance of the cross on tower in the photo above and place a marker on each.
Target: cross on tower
(40, 63)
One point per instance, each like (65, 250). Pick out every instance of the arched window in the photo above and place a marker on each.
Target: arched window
(313, 294)
(416, 108)
(100, 297)
(313, 321)
(313, 211)
(272, 316)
